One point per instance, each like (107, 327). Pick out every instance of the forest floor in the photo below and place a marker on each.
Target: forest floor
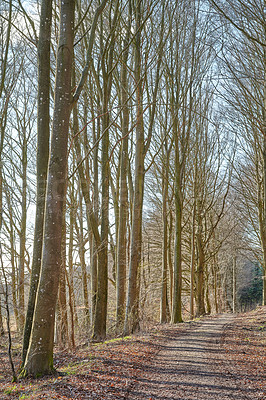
(217, 357)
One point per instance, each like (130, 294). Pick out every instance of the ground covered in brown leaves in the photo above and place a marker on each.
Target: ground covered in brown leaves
(112, 370)
(102, 371)
(244, 342)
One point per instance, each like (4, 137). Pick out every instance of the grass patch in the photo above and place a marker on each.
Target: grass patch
(76, 367)
(17, 389)
(114, 340)
(117, 339)
(11, 390)
(70, 369)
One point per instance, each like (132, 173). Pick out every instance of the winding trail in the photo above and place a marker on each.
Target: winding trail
(192, 366)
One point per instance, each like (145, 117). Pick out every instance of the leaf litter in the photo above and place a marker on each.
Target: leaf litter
(112, 369)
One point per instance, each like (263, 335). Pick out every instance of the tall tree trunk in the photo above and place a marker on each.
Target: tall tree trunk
(122, 239)
(99, 328)
(262, 218)
(193, 229)
(170, 261)
(84, 175)
(263, 229)
(94, 272)
(201, 264)
(192, 263)
(177, 291)
(2, 130)
(91, 205)
(42, 160)
(70, 275)
(83, 267)
(39, 359)
(13, 262)
(164, 312)
(22, 234)
(132, 309)
(62, 334)
(94, 249)
(207, 294)
(1, 222)
(2, 331)
(123, 210)
(215, 283)
(91, 209)
(234, 283)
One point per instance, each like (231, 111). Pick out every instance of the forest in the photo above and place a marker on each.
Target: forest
(132, 167)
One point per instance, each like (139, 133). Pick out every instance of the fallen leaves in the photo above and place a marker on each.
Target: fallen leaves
(244, 344)
(110, 370)
(97, 372)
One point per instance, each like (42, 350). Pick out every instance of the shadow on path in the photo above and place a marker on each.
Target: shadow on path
(191, 367)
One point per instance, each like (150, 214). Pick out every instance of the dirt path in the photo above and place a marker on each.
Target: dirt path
(192, 366)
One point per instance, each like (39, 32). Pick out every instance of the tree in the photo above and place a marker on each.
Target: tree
(123, 199)
(132, 309)
(99, 328)
(39, 358)
(43, 128)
